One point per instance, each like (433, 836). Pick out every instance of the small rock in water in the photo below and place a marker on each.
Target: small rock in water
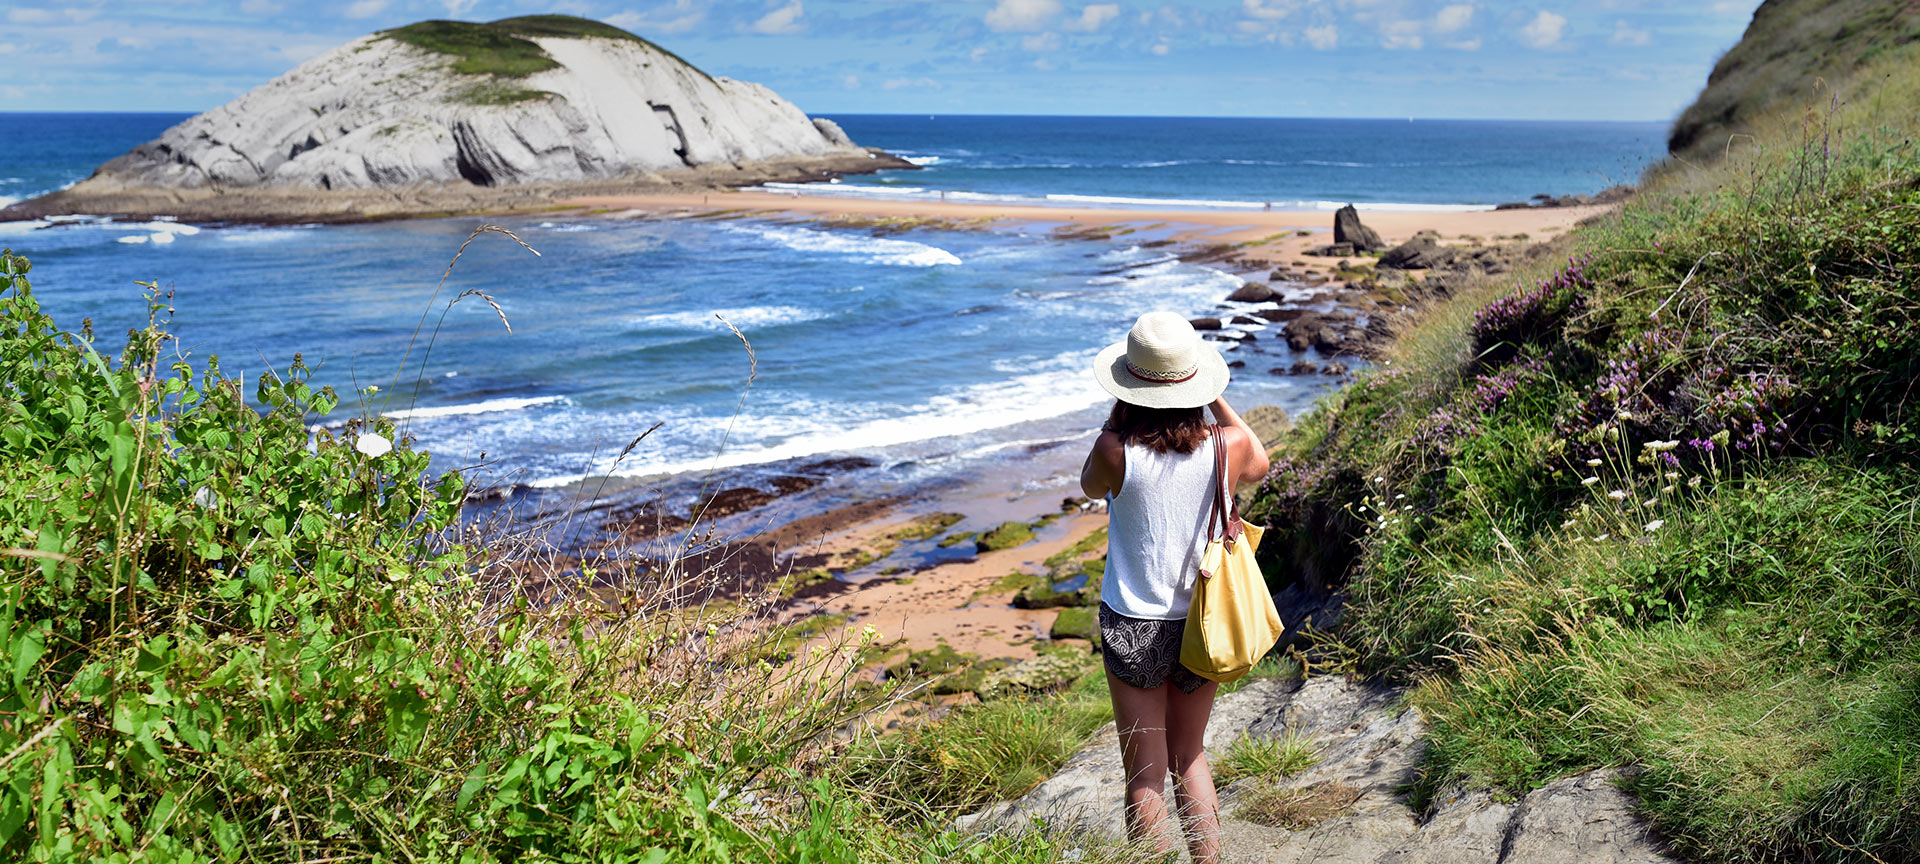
(1205, 323)
(1252, 292)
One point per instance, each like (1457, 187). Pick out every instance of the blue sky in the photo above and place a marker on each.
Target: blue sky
(1593, 60)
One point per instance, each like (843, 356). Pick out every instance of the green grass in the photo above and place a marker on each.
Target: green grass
(1735, 615)
(499, 48)
(980, 754)
(1254, 757)
(1006, 535)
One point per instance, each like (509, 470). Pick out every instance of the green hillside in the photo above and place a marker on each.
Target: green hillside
(1791, 46)
(1658, 504)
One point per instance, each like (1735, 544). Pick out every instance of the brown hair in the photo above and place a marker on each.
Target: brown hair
(1159, 429)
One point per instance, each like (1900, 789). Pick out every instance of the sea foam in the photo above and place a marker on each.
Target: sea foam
(872, 250)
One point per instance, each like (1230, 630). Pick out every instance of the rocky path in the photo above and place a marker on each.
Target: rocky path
(1352, 809)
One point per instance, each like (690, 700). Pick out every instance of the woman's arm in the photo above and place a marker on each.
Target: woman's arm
(1245, 451)
(1106, 467)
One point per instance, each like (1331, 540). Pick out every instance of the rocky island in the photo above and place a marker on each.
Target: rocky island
(445, 116)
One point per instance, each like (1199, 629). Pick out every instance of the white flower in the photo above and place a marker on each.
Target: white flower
(373, 444)
(868, 634)
(1649, 502)
(205, 498)
(1693, 482)
(1617, 495)
(1589, 481)
(1672, 475)
(1400, 496)
(1593, 463)
(1668, 489)
(1567, 524)
(1603, 537)
(1655, 525)
(1379, 479)
(1662, 446)
(1624, 415)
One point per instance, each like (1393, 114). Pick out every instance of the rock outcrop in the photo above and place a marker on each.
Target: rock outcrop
(1369, 747)
(520, 102)
(1347, 229)
(1788, 48)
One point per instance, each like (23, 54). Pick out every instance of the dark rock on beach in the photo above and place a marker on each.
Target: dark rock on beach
(1205, 323)
(1347, 229)
(1423, 252)
(1252, 292)
(1332, 250)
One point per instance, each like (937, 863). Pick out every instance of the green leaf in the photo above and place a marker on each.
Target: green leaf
(475, 781)
(27, 650)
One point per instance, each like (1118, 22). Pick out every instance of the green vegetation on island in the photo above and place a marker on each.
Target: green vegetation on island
(500, 48)
(1655, 506)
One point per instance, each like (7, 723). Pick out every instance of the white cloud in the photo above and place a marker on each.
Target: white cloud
(1626, 35)
(1452, 18)
(783, 20)
(1025, 16)
(677, 17)
(1399, 35)
(898, 83)
(1465, 44)
(1324, 37)
(1094, 16)
(1044, 65)
(457, 8)
(1267, 10)
(1042, 43)
(1544, 31)
(366, 8)
(259, 7)
(1160, 49)
(851, 82)
(8, 47)
(28, 15)
(979, 52)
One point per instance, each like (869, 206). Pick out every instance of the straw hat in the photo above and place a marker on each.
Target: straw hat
(1162, 364)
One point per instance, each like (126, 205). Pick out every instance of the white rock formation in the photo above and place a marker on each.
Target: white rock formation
(381, 113)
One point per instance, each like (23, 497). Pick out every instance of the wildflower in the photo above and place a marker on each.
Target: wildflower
(373, 444)
(1649, 502)
(1693, 482)
(713, 630)
(1593, 463)
(1721, 437)
(1602, 537)
(1655, 525)
(1625, 415)
(1668, 489)
(1399, 497)
(1672, 475)
(1617, 495)
(1567, 524)
(868, 634)
(1589, 481)
(205, 498)
(372, 389)
(1379, 479)
(1662, 446)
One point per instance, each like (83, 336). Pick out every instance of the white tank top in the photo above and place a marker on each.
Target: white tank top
(1154, 526)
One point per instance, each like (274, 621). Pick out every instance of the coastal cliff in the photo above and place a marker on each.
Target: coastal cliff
(455, 115)
(1790, 46)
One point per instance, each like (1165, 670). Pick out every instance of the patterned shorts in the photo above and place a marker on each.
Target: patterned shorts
(1145, 652)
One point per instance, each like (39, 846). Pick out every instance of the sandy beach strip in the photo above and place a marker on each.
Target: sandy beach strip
(1198, 225)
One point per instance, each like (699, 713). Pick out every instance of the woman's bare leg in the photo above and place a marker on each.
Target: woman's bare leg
(1192, 777)
(1141, 717)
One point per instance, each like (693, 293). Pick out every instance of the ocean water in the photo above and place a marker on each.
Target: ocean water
(929, 352)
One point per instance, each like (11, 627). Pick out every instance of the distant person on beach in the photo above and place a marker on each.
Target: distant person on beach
(1153, 463)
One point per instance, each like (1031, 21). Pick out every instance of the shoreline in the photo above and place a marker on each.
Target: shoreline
(846, 570)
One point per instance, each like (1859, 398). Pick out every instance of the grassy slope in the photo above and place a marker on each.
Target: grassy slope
(498, 48)
(1790, 45)
(1733, 612)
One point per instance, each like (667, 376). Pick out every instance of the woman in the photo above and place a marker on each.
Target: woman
(1153, 462)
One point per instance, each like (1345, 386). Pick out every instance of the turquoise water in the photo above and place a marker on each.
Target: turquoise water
(925, 351)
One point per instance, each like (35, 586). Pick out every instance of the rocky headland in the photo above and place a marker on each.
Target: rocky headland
(448, 116)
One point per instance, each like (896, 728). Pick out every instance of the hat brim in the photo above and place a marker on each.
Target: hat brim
(1206, 385)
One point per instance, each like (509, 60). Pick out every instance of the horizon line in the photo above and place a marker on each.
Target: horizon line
(932, 115)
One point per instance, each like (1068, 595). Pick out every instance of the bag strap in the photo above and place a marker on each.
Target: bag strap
(1224, 511)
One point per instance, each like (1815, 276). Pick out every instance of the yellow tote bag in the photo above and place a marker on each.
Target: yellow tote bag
(1231, 622)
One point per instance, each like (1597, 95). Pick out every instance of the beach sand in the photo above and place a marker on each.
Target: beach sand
(1275, 231)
